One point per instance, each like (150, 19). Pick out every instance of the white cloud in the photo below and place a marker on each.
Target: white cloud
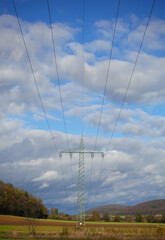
(105, 28)
(49, 175)
(133, 168)
(98, 46)
(155, 36)
(121, 175)
(32, 163)
(103, 24)
(43, 186)
(39, 117)
(135, 122)
(18, 92)
(115, 176)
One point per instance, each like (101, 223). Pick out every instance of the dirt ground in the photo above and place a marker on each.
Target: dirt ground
(18, 221)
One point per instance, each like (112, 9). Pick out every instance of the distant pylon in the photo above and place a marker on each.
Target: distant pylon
(81, 187)
(81, 180)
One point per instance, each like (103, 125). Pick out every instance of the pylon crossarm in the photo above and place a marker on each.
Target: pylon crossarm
(81, 179)
(95, 152)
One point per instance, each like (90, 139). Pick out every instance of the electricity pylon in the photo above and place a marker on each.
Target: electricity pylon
(81, 187)
(81, 180)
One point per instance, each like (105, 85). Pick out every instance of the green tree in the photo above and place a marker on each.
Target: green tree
(106, 217)
(116, 218)
(54, 213)
(20, 203)
(163, 218)
(95, 216)
(139, 217)
(129, 218)
(150, 218)
(26, 195)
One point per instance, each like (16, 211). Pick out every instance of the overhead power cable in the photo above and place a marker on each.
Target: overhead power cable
(130, 80)
(59, 85)
(129, 83)
(58, 78)
(38, 92)
(83, 62)
(107, 76)
(105, 88)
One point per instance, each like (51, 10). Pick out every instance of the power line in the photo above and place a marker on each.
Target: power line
(39, 95)
(105, 88)
(130, 80)
(34, 78)
(58, 80)
(129, 83)
(82, 112)
(107, 76)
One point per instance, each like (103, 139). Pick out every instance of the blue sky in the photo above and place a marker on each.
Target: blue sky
(133, 167)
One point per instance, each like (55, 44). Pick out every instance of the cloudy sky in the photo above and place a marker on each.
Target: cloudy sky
(133, 169)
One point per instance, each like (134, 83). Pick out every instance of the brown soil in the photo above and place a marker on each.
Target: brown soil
(18, 221)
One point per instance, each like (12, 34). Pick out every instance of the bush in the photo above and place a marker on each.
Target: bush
(117, 218)
(106, 217)
(139, 217)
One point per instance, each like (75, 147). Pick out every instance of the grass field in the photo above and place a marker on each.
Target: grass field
(49, 229)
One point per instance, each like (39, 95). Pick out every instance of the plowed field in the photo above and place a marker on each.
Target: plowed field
(18, 221)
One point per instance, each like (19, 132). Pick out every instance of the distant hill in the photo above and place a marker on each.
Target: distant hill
(14, 201)
(150, 207)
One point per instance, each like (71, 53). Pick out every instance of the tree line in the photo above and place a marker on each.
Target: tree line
(128, 218)
(14, 201)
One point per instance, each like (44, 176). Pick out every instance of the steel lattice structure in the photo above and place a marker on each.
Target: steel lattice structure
(81, 180)
(81, 187)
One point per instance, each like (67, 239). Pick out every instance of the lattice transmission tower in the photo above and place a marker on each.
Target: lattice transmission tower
(81, 187)
(81, 180)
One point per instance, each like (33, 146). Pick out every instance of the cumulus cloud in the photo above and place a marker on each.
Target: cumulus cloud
(155, 35)
(45, 185)
(116, 176)
(120, 175)
(49, 175)
(134, 122)
(98, 46)
(18, 92)
(39, 117)
(132, 169)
